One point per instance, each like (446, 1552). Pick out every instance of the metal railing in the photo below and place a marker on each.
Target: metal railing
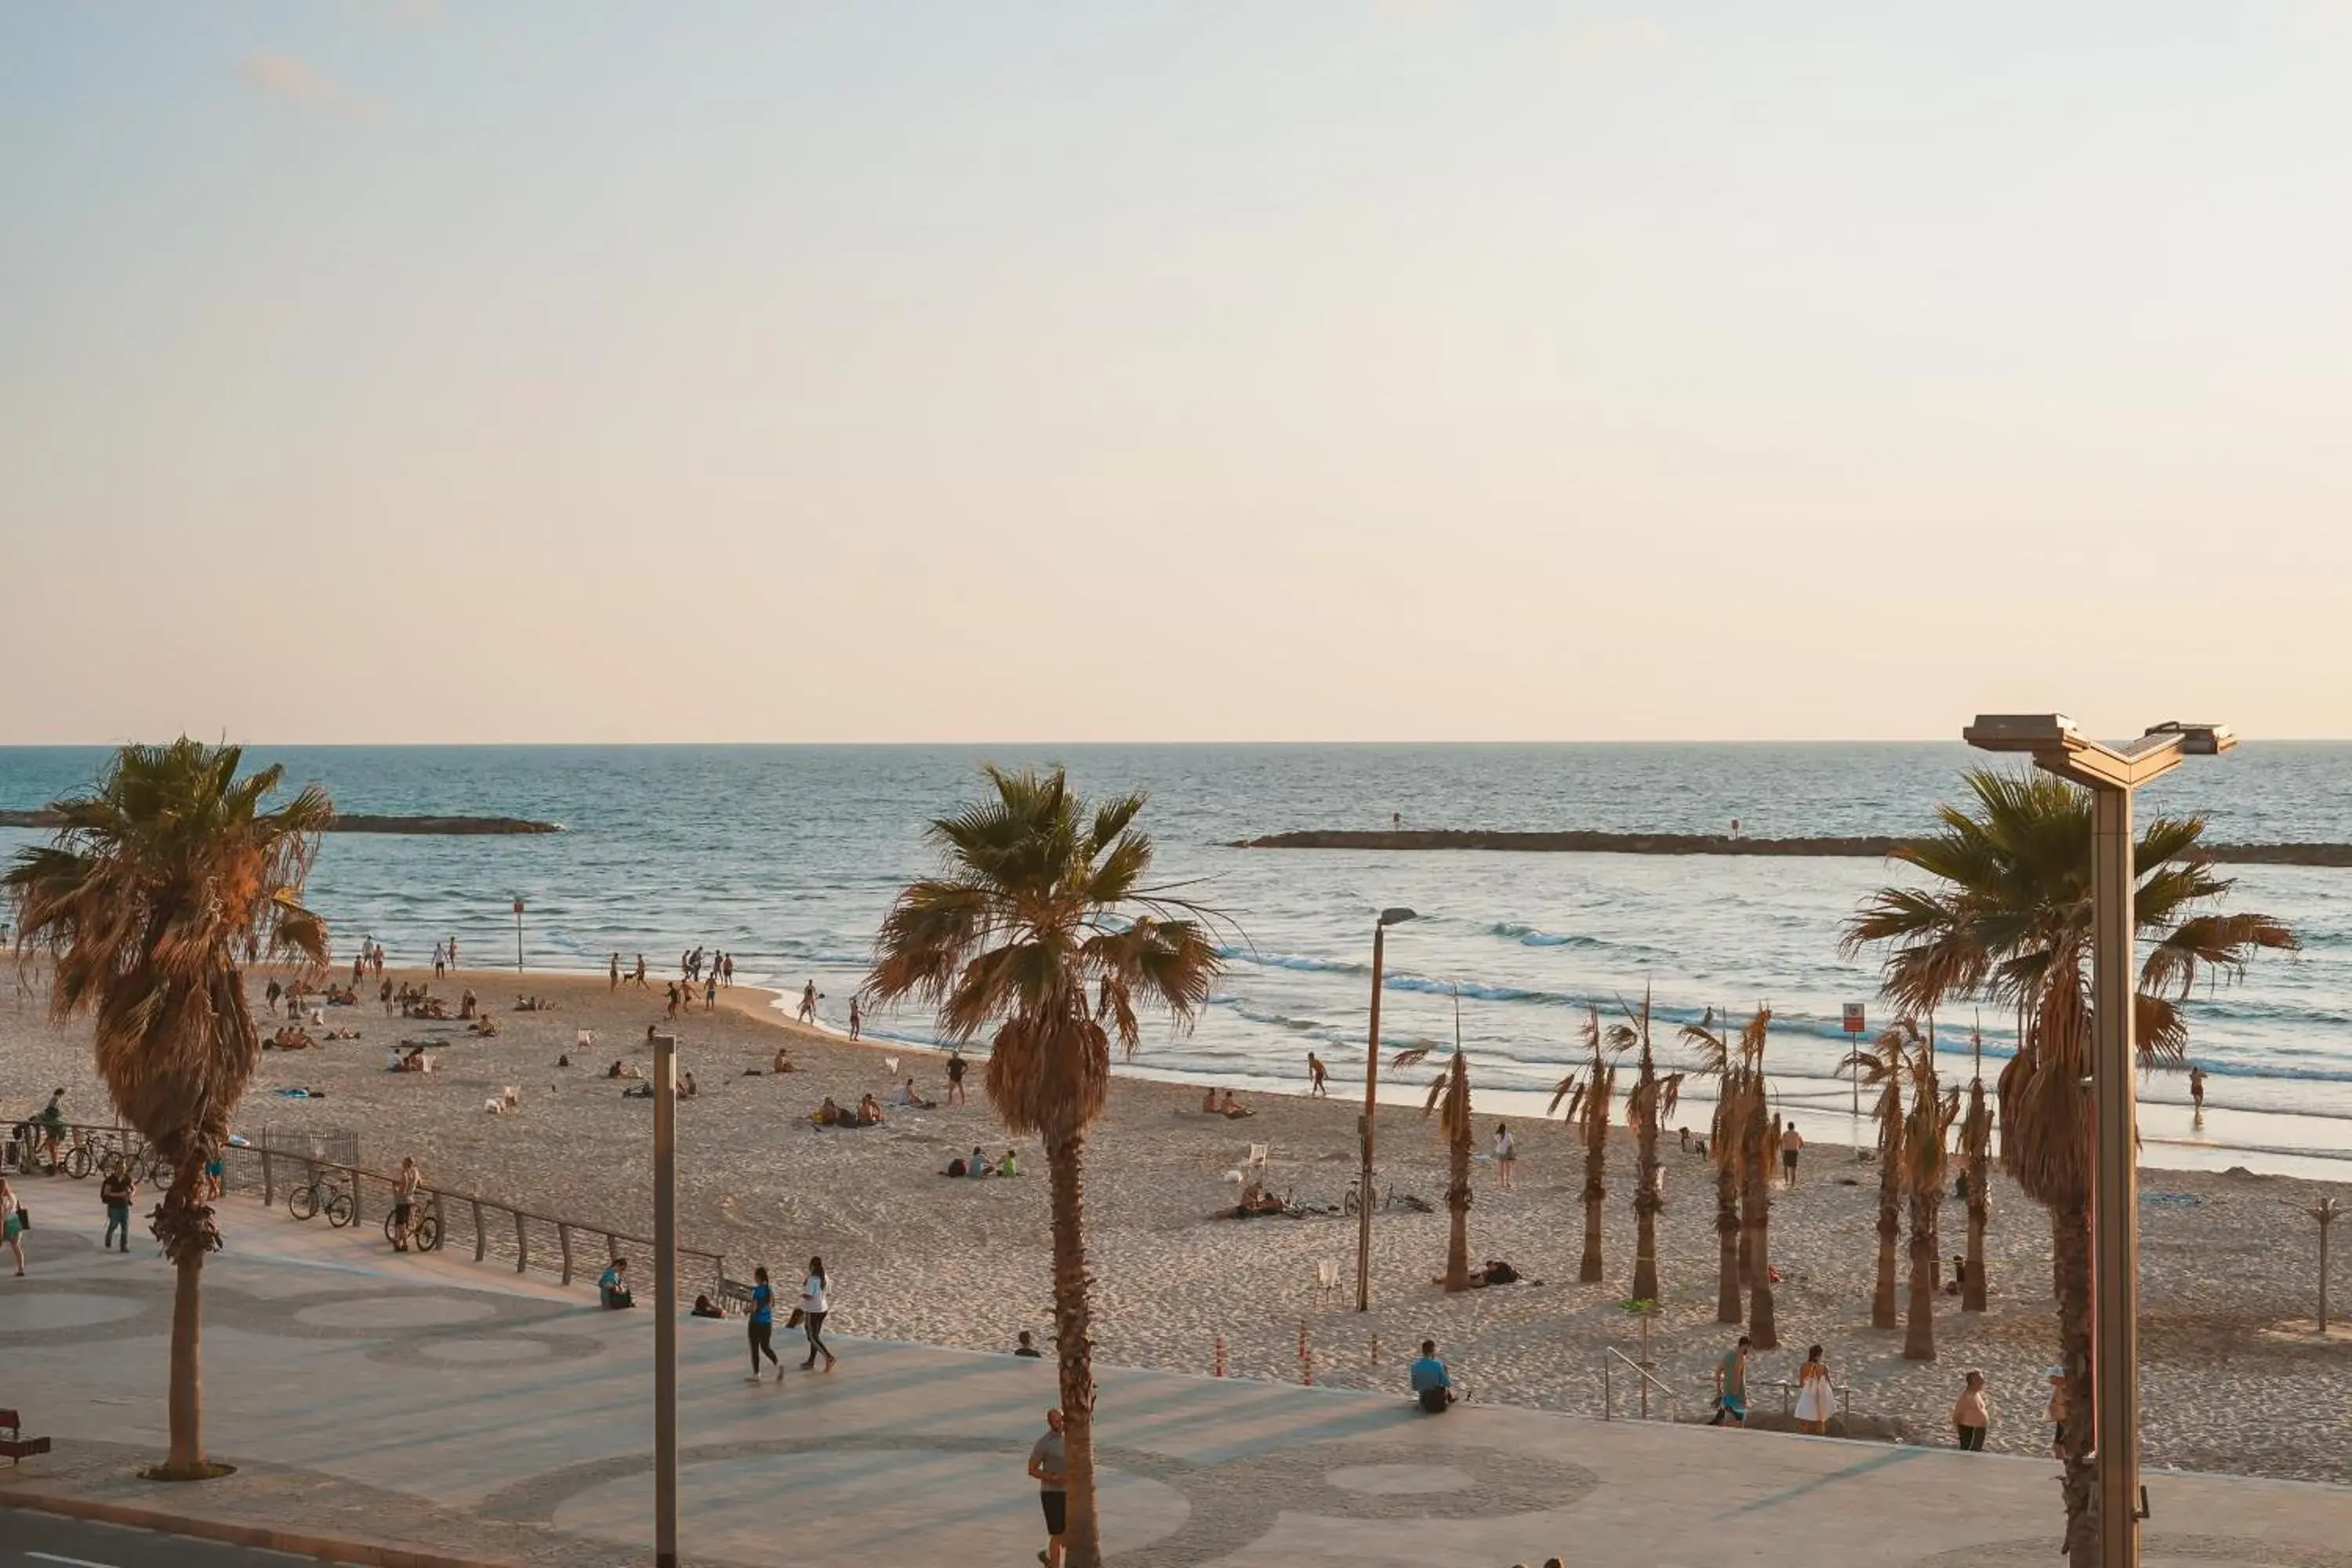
(1610, 1358)
(1788, 1392)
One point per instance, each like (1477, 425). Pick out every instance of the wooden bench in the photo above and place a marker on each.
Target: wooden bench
(15, 1444)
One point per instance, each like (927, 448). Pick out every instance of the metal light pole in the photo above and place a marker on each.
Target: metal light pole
(1371, 1104)
(517, 936)
(2111, 776)
(665, 1300)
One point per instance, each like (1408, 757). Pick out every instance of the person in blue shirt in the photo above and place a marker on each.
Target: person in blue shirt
(612, 1286)
(764, 1324)
(1432, 1383)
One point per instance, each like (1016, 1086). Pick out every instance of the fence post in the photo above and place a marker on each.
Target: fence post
(522, 1244)
(1608, 1403)
(1306, 1358)
(563, 1240)
(440, 1225)
(479, 1238)
(354, 1170)
(269, 1187)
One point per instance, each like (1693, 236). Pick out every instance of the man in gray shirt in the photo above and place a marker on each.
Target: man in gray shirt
(1049, 1464)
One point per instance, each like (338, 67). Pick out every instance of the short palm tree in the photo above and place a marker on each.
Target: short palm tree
(1880, 1067)
(158, 882)
(1760, 1140)
(1647, 1107)
(2008, 919)
(1041, 926)
(1926, 1126)
(1449, 1101)
(1727, 1150)
(1592, 1101)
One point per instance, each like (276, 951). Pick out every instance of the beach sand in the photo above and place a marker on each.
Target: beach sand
(2226, 1259)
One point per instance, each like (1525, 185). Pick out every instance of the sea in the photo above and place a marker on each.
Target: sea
(787, 856)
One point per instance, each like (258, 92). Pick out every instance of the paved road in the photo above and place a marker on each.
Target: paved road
(43, 1541)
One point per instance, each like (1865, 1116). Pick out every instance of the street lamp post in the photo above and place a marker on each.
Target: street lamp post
(1371, 1089)
(665, 1300)
(2111, 776)
(517, 914)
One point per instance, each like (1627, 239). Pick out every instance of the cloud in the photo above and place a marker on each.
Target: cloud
(289, 80)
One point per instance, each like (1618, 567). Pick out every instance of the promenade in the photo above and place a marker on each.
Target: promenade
(448, 1407)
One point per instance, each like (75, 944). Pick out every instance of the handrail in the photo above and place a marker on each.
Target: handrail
(1608, 1403)
(1789, 1390)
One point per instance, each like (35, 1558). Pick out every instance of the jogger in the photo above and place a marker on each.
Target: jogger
(764, 1325)
(813, 1308)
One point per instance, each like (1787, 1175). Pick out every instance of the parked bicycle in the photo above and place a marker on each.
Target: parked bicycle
(423, 1229)
(322, 1195)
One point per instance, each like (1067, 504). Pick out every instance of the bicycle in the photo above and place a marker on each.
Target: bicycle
(424, 1230)
(320, 1194)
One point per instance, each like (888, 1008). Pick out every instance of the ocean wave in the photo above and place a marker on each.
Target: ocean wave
(1528, 936)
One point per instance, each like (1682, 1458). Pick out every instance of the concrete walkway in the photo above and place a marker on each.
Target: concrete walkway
(444, 1406)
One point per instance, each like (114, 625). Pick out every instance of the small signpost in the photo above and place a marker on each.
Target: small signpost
(517, 914)
(1854, 1032)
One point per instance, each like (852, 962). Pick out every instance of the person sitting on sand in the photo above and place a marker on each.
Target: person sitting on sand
(612, 1287)
(782, 1061)
(1209, 1106)
(1432, 1382)
(826, 1115)
(907, 1096)
(486, 1026)
(1008, 1166)
(869, 1112)
(1229, 1106)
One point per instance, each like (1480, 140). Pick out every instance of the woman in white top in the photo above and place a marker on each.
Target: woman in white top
(812, 1311)
(1506, 1156)
(1814, 1395)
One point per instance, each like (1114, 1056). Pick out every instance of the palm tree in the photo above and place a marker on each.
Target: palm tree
(1975, 1147)
(158, 881)
(1652, 1099)
(2008, 919)
(1760, 1138)
(1925, 1127)
(1041, 926)
(1881, 1067)
(1726, 1139)
(1449, 1101)
(1591, 1100)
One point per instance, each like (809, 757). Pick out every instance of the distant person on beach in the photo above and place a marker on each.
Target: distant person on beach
(978, 1164)
(1432, 1382)
(672, 1011)
(1814, 1397)
(440, 960)
(1396, 819)
(782, 1061)
(1731, 1385)
(955, 1077)
(726, 962)
(1972, 1413)
(1026, 1347)
(116, 1194)
(907, 1096)
(1791, 1145)
(1009, 1165)
(1506, 1156)
(468, 1005)
(814, 1304)
(453, 952)
(711, 995)
(1049, 1467)
(270, 993)
(1229, 1106)
(764, 1324)
(808, 1002)
(612, 1287)
(1318, 1076)
(615, 973)
(857, 1017)
(1209, 1101)
(638, 977)
(383, 994)
(403, 1200)
(2197, 1090)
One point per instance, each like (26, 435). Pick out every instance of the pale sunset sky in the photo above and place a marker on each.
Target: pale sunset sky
(376, 370)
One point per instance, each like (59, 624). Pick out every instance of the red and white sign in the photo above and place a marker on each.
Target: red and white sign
(1854, 1025)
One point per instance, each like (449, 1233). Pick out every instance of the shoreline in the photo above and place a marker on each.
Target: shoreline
(1585, 841)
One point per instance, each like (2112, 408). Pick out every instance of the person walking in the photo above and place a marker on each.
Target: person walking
(1049, 1467)
(1971, 1415)
(1815, 1397)
(814, 1308)
(1506, 1156)
(764, 1324)
(12, 1225)
(1791, 1145)
(115, 1193)
(615, 973)
(808, 1002)
(1318, 1086)
(637, 978)
(1731, 1385)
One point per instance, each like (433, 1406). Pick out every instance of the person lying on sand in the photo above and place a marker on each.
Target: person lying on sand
(290, 1038)
(341, 1034)
(1495, 1271)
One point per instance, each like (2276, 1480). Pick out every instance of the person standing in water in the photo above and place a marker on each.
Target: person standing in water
(1317, 1078)
(2197, 1091)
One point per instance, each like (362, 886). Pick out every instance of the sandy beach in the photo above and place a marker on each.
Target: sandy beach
(2228, 1262)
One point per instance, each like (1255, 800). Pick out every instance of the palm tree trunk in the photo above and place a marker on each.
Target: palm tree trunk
(1919, 1328)
(1073, 1351)
(1763, 1327)
(1972, 1287)
(1596, 1192)
(1731, 1266)
(2070, 1264)
(1458, 1205)
(1646, 1205)
(1890, 1227)
(182, 1226)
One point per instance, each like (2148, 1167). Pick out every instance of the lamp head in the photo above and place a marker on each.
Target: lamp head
(2198, 740)
(2038, 732)
(1395, 916)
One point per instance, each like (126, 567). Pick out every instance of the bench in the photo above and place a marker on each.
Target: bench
(15, 1444)
(734, 1296)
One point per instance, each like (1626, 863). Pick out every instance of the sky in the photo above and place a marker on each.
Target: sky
(1010, 370)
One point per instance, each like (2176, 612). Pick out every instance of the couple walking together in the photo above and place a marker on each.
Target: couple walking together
(810, 1314)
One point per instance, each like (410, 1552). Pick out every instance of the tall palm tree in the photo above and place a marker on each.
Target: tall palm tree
(1652, 1099)
(1975, 1148)
(2008, 919)
(1449, 1101)
(1726, 1149)
(1592, 1100)
(1760, 1138)
(1042, 926)
(1925, 1127)
(1880, 1067)
(158, 882)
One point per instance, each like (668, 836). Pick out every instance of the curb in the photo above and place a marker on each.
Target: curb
(325, 1548)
